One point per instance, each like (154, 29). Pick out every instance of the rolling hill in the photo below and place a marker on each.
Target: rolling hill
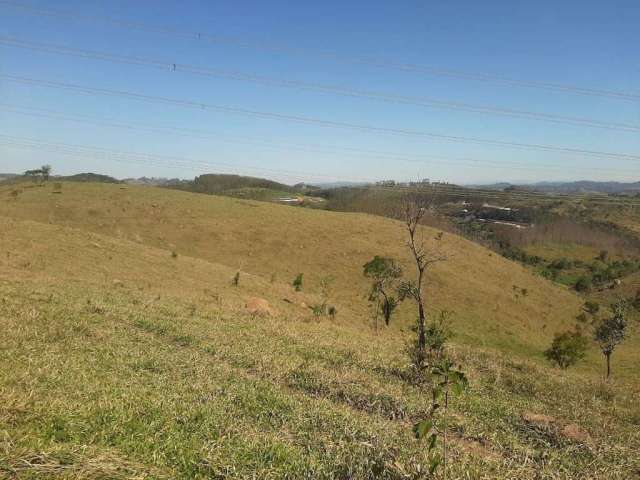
(128, 353)
(253, 188)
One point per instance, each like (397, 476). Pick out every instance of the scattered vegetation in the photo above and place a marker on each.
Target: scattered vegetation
(414, 210)
(567, 349)
(297, 282)
(40, 174)
(445, 380)
(612, 331)
(591, 307)
(158, 377)
(384, 273)
(584, 284)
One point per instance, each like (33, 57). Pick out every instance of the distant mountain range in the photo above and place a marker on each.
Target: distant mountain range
(214, 183)
(582, 186)
(327, 185)
(155, 181)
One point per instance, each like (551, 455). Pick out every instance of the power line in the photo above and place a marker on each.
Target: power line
(84, 151)
(326, 55)
(322, 88)
(333, 150)
(311, 120)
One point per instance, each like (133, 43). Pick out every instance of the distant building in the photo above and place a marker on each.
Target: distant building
(386, 183)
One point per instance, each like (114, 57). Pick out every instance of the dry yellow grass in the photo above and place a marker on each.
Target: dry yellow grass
(274, 241)
(120, 360)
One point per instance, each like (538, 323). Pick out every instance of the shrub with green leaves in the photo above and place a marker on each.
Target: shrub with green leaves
(297, 282)
(611, 332)
(567, 349)
(446, 382)
(561, 264)
(384, 272)
(584, 284)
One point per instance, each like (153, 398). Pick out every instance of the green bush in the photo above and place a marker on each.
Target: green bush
(561, 264)
(549, 273)
(567, 349)
(297, 282)
(584, 284)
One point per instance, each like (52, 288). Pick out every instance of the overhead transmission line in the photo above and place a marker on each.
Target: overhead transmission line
(290, 49)
(84, 151)
(316, 87)
(311, 120)
(425, 159)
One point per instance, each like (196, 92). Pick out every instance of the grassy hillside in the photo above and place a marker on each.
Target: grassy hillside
(276, 242)
(253, 188)
(89, 177)
(121, 360)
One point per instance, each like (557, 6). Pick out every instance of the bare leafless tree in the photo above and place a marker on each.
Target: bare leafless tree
(414, 208)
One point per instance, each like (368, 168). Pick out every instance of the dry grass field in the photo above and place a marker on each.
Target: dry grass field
(127, 352)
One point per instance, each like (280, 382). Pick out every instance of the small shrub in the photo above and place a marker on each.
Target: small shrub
(582, 317)
(437, 333)
(603, 255)
(611, 332)
(174, 254)
(567, 349)
(297, 282)
(561, 264)
(591, 307)
(584, 284)
(332, 311)
(319, 309)
(236, 279)
(549, 273)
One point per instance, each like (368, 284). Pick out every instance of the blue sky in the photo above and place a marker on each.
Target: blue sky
(591, 44)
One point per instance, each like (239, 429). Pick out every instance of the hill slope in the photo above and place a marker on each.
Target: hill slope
(277, 242)
(236, 186)
(119, 360)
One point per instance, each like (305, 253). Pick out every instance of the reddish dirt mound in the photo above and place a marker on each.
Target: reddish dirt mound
(575, 433)
(259, 306)
(538, 419)
(477, 449)
(570, 431)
